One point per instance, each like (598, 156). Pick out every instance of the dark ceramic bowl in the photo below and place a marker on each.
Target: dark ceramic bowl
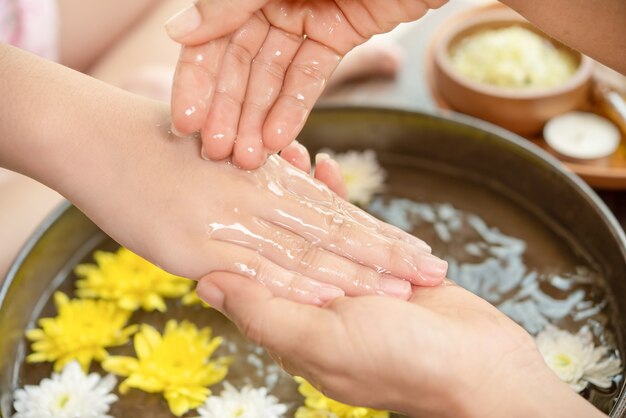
(493, 158)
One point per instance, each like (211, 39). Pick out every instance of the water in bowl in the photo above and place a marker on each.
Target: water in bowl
(497, 247)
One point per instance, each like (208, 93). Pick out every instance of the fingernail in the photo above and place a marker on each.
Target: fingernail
(183, 22)
(327, 293)
(212, 295)
(322, 156)
(204, 157)
(299, 147)
(177, 132)
(431, 265)
(395, 287)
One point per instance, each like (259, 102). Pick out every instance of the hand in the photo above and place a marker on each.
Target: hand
(326, 169)
(251, 70)
(275, 225)
(444, 353)
(110, 153)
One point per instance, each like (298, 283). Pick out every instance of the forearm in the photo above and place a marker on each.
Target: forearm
(56, 123)
(596, 27)
(83, 138)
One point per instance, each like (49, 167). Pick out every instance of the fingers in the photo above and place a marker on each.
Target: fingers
(194, 85)
(381, 227)
(220, 128)
(328, 172)
(277, 324)
(297, 155)
(281, 282)
(326, 169)
(338, 233)
(266, 79)
(298, 255)
(305, 80)
(207, 20)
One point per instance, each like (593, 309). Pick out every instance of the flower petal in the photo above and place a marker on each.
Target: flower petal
(120, 365)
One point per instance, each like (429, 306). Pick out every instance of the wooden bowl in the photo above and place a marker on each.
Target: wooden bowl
(523, 111)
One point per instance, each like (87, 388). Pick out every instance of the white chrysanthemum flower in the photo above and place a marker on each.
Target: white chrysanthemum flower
(247, 403)
(363, 175)
(575, 358)
(69, 394)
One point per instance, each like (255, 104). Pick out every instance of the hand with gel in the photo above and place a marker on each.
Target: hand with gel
(281, 227)
(153, 194)
(250, 71)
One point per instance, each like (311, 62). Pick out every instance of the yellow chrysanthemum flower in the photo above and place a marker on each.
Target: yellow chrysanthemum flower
(129, 280)
(319, 406)
(192, 298)
(81, 331)
(176, 364)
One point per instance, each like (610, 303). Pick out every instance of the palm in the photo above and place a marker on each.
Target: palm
(449, 337)
(372, 351)
(251, 91)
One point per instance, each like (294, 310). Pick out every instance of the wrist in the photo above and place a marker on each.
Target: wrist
(102, 148)
(529, 390)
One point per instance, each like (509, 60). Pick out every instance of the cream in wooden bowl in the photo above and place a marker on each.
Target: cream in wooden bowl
(492, 64)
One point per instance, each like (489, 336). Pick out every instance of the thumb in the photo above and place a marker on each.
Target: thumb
(280, 325)
(206, 20)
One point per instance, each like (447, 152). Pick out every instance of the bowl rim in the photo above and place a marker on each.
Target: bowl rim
(485, 15)
(28, 246)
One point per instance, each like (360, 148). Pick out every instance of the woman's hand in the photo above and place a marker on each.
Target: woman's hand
(251, 70)
(326, 169)
(444, 353)
(111, 154)
(276, 225)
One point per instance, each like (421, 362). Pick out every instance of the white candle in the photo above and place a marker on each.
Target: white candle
(582, 135)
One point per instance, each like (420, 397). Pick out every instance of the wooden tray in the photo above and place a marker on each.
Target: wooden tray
(607, 173)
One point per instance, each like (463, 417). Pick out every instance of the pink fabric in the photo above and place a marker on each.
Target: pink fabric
(31, 25)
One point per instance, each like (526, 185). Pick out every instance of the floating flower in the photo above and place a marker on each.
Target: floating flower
(575, 358)
(192, 298)
(247, 403)
(129, 280)
(363, 176)
(316, 405)
(176, 364)
(71, 393)
(81, 331)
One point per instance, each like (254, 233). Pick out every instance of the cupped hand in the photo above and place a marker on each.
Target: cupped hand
(446, 352)
(251, 70)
